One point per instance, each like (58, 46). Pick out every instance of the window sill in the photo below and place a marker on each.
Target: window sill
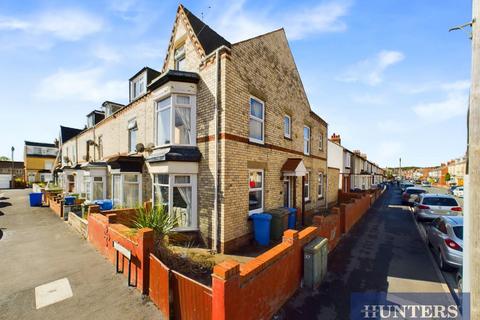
(255, 141)
(288, 138)
(307, 201)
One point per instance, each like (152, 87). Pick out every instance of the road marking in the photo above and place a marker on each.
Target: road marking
(52, 292)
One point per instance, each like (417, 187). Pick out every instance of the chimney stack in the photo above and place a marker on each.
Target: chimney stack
(336, 139)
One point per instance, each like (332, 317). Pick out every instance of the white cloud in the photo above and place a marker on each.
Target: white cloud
(107, 54)
(237, 23)
(455, 104)
(68, 25)
(87, 85)
(370, 71)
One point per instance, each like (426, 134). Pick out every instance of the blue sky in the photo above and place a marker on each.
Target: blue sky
(386, 75)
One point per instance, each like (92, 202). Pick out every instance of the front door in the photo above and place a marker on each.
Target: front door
(287, 194)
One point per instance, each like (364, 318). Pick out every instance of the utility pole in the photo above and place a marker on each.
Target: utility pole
(400, 168)
(472, 219)
(13, 168)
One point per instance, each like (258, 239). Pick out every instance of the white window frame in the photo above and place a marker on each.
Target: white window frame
(172, 106)
(287, 131)
(123, 182)
(262, 189)
(179, 56)
(320, 142)
(307, 140)
(254, 118)
(135, 128)
(171, 185)
(307, 185)
(100, 147)
(320, 189)
(137, 80)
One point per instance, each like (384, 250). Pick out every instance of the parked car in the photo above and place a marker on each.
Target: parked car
(430, 206)
(458, 192)
(445, 238)
(451, 189)
(411, 194)
(426, 184)
(405, 185)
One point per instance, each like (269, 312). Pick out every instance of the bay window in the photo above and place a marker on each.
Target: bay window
(255, 192)
(127, 190)
(256, 125)
(175, 120)
(178, 194)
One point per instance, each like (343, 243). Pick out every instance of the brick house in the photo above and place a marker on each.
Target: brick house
(7, 168)
(223, 131)
(39, 158)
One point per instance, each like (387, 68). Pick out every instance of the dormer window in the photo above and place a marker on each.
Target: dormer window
(90, 120)
(179, 58)
(138, 86)
(175, 120)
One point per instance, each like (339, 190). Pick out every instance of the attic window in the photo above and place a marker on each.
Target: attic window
(138, 86)
(179, 58)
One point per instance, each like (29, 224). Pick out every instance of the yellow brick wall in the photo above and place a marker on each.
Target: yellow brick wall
(333, 185)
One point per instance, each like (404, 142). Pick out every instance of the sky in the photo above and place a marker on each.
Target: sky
(386, 75)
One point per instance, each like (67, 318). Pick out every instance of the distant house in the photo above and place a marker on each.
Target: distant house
(6, 172)
(39, 159)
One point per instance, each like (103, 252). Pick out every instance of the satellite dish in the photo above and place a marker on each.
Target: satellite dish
(139, 147)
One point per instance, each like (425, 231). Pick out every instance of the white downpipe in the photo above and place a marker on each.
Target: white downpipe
(215, 223)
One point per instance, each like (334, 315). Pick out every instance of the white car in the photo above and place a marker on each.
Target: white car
(458, 192)
(426, 184)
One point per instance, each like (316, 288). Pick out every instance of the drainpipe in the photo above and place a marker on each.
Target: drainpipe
(215, 224)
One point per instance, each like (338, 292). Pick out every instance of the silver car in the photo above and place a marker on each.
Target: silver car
(411, 195)
(430, 206)
(445, 238)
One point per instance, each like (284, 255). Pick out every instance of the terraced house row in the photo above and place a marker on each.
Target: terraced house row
(224, 130)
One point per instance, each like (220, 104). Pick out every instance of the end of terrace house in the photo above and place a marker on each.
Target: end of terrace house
(224, 130)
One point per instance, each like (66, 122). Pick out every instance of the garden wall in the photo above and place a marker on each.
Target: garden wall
(78, 224)
(253, 290)
(103, 230)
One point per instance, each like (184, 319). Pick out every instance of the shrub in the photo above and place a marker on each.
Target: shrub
(155, 218)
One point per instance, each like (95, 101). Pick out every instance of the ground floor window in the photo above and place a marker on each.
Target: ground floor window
(255, 192)
(31, 177)
(320, 185)
(306, 187)
(126, 190)
(178, 194)
(70, 183)
(94, 187)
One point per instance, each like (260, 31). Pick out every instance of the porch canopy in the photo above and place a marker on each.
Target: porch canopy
(294, 167)
(126, 163)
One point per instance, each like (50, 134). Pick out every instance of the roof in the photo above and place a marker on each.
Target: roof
(96, 111)
(67, 133)
(141, 71)
(40, 144)
(294, 167)
(208, 38)
(176, 153)
(8, 164)
(126, 163)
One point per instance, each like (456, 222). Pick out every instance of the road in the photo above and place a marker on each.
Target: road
(38, 248)
(384, 252)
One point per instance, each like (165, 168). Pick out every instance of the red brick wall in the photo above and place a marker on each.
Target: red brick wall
(103, 231)
(329, 227)
(253, 290)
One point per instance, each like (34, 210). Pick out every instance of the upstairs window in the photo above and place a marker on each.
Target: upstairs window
(320, 141)
(138, 86)
(132, 135)
(306, 140)
(175, 120)
(100, 147)
(287, 126)
(256, 126)
(179, 58)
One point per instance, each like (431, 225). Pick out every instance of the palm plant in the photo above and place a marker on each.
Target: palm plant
(155, 218)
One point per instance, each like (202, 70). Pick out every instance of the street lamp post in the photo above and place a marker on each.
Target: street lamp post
(13, 168)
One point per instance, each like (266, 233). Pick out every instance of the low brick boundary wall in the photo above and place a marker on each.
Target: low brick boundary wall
(78, 224)
(56, 204)
(259, 288)
(103, 230)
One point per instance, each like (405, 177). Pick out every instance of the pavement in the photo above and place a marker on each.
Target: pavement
(49, 272)
(384, 252)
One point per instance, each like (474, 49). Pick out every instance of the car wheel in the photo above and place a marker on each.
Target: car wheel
(441, 262)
